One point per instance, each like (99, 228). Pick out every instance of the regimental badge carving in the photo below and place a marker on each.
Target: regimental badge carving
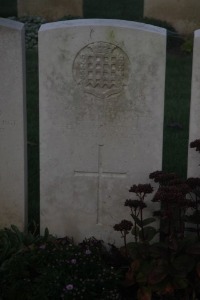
(101, 69)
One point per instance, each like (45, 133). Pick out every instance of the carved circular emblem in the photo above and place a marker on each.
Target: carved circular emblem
(101, 69)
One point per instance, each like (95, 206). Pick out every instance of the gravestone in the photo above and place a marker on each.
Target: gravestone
(12, 124)
(101, 121)
(194, 132)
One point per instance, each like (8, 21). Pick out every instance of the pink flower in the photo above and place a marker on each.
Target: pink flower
(69, 287)
(73, 261)
(42, 246)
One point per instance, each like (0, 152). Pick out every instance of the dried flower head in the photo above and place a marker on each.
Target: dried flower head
(162, 177)
(155, 174)
(124, 225)
(193, 182)
(135, 204)
(168, 194)
(195, 144)
(141, 189)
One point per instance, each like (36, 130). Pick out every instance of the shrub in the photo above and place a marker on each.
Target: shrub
(58, 269)
(169, 268)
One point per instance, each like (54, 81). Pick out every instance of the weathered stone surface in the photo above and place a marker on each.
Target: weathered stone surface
(194, 132)
(12, 124)
(50, 9)
(101, 121)
(183, 15)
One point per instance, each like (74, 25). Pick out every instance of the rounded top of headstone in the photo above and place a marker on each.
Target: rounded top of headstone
(11, 24)
(102, 23)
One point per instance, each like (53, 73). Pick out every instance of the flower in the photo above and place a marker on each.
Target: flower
(88, 252)
(124, 225)
(42, 246)
(73, 261)
(168, 194)
(141, 188)
(195, 144)
(193, 182)
(162, 177)
(155, 174)
(135, 204)
(69, 287)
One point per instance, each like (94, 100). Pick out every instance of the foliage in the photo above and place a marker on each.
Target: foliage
(49, 268)
(169, 268)
(187, 46)
(174, 39)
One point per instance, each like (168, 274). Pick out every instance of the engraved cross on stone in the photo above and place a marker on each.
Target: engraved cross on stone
(100, 174)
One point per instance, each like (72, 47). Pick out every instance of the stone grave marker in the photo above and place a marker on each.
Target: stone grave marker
(101, 121)
(12, 125)
(194, 132)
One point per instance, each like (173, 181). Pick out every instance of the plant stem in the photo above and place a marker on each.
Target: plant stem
(142, 227)
(197, 212)
(135, 229)
(125, 244)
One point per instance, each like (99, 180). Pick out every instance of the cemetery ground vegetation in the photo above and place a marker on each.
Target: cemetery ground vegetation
(161, 263)
(167, 267)
(34, 267)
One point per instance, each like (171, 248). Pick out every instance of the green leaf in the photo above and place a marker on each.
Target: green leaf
(135, 231)
(159, 271)
(144, 294)
(157, 275)
(141, 277)
(46, 234)
(132, 245)
(132, 249)
(149, 233)
(19, 234)
(137, 220)
(183, 263)
(194, 249)
(180, 283)
(148, 221)
(158, 250)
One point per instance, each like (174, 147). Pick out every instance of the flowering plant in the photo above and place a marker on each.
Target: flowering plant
(168, 268)
(59, 269)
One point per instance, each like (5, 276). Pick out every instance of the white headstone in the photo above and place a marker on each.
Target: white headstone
(194, 129)
(101, 121)
(12, 124)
